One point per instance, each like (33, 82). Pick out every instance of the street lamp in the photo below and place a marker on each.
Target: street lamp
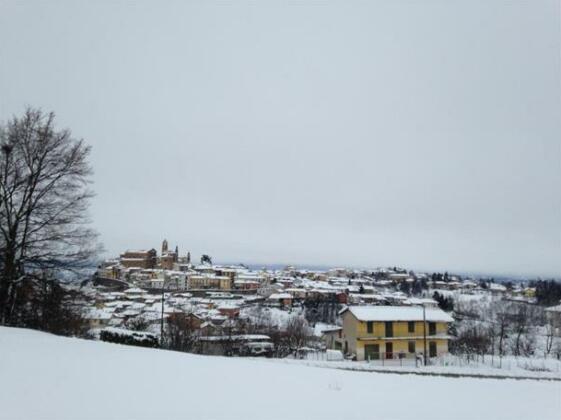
(162, 319)
(7, 150)
(424, 334)
(425, 359)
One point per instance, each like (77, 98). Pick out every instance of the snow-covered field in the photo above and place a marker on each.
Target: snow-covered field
(49, 377)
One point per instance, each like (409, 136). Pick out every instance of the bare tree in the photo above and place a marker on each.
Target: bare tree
(44, 197)
(298, 333)
(501, 323)
(528, 343)
(261, 321)
(473, 341)
(557, 349)
(138, 323)
(321, 309)
(181, 332)
(551, 329)
(520, 322)
(492, 334)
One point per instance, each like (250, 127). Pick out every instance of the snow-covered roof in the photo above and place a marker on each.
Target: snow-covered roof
(497, 287)
(280, 296)
(243, 337)
(399, 275)
(98, 314)
(249, 276)
(229, 306)
(331, 329)
(398, 313)
(137, 251)
(131, 312)
(554, 308)
(135, 290)
(420, 301)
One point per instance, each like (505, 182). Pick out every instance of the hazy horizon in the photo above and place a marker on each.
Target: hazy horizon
(424, 135)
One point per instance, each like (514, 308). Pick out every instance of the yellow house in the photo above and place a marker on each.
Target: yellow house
(392, 332)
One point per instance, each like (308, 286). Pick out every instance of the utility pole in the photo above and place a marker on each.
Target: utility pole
(424, 334)
(162, 319)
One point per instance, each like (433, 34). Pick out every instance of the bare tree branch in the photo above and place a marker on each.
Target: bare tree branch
(44, 198)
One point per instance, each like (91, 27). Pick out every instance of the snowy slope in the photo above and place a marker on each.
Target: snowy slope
(49, 377)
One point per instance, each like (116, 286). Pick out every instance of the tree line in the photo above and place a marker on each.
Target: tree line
(504, 328)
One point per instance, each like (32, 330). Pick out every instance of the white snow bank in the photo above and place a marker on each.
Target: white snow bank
(49, 377)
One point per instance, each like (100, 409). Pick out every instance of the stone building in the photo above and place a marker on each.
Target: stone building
(139, 259)
(168, 258)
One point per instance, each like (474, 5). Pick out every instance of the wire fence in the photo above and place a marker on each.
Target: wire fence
(534, 364)
(381, 358)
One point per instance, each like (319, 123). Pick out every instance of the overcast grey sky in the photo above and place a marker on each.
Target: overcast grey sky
(423, 134)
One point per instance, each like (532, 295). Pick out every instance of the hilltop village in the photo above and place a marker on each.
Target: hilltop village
(378, 314)
(148, 270)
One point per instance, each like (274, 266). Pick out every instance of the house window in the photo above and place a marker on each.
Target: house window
(389, 350)
(411, 326)
(411, 346)
(389, 329)
(370, 327)
(432, 328)
(432, 349)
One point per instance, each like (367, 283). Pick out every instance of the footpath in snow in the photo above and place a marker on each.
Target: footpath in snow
(49, 377)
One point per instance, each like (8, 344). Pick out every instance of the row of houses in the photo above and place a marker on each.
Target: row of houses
(115, 309)
(366, 332)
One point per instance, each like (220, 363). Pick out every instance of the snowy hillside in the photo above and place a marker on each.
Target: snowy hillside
(49, 377)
